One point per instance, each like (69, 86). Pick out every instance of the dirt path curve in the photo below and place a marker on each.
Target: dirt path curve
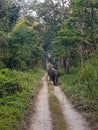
(41, 120)
(74, 120)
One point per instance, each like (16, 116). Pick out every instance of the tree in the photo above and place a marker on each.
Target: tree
(64, 43)
(9, 13)
(25, 46)
(84, 13)
(73, 37)
(51, 13)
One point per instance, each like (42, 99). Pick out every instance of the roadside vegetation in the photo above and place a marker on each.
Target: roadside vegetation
(16, 89)
(81, 86)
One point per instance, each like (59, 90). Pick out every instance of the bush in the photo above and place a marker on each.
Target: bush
(8, 85)
(11, 87)
(88, 73)
(2, 80)
(1, 65)
(5, 72)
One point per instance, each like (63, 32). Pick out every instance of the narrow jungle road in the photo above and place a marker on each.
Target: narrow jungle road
(42, 120)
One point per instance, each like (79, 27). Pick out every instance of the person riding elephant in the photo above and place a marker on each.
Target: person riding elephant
(54, 74)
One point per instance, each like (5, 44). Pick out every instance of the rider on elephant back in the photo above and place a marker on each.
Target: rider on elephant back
(50, 68)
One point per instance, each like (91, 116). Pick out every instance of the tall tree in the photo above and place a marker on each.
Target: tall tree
(51, 13)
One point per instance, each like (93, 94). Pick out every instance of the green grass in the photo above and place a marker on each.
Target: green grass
(57, 116)
(13, 108)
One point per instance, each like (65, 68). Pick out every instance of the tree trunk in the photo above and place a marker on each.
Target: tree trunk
(61, 63)
(66, 65)
(96, 47)
(58, 63)
(82, 54)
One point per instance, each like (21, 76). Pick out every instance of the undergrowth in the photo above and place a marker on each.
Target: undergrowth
(81, 86)
(16, 88)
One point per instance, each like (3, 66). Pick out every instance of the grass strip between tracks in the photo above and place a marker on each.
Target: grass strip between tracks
(57, 116)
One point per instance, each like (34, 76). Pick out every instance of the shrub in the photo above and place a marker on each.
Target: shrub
(11, 87)
(5, 72)
(2, 80)
(1, 65)
(8, 86)
(88, 73)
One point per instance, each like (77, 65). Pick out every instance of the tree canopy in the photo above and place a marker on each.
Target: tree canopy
(58, 27)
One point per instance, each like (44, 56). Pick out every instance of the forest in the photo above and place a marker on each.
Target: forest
(34, 33)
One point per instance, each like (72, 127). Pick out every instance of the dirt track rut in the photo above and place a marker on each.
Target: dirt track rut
(74, 120)
(41, 120)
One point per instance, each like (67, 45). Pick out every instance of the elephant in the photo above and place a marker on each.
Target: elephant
(54, 74)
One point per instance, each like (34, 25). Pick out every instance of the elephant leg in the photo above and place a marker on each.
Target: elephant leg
(56, 80)
(53, 79)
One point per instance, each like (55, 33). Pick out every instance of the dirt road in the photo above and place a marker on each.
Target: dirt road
(42, 120)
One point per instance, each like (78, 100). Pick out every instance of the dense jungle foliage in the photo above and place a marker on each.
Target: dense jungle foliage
(34, 33)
